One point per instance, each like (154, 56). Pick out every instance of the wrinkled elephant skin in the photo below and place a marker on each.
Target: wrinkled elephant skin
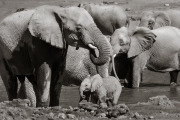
(34, 42)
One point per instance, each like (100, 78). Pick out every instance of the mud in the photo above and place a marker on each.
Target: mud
(159, 107)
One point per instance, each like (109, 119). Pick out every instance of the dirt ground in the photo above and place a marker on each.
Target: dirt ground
(158, 108)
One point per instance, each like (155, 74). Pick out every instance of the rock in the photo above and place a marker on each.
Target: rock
(71, 108)
(123, 109)
(21, 102)
(162, 101)
(167, 5)
(115, 113)
(101, 115)
(56, 108)
(88, 106)
(164, 113)
(103, 105)
(128, 9)
(62, 116)
(122, 117)
(137, 116)
(151, 117)
(71, 116)
(76, 109)
(51, 115)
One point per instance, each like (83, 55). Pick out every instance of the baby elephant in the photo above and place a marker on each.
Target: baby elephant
(102, 90)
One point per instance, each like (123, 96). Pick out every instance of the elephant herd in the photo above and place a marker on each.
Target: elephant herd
(53, 45)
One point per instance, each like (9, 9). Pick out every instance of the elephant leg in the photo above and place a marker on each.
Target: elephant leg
(22, 89)
(173, 77)
(11, 86)
(102, 101)
(94, 98)
(128, 78)
(30, 89)
(138, 64)
(56, 84)
(43, 84)
(9, 80)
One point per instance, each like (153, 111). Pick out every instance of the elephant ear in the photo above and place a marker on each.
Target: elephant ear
(162, 19)
(96, 81)
(46, 24)
(13, 27)
(141, 40)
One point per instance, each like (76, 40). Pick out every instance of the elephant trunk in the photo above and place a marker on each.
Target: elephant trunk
(81, 92)
(143, 23)
(95, 37)
(147, 23)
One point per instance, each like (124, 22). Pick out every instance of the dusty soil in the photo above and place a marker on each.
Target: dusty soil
(159, 108)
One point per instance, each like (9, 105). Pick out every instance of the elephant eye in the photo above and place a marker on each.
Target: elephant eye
(79, 28)
(121, 42)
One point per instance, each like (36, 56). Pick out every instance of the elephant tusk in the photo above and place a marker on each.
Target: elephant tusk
(92, 46)
(114, 55)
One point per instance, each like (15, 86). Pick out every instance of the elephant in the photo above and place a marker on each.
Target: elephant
(152, 49)
(35, 41)
(105, 90)
(79, 65)
(75, 65)
(107, 17)
(156, 19)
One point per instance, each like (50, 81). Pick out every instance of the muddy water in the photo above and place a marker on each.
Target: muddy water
(153, 84)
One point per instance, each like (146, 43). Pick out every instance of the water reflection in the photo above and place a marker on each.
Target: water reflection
(70, 95)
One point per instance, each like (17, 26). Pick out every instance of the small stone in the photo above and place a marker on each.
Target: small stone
(101, 115)
(103, 105)
(167, 5)
(82, 110)
(56, 108)
(137, 116)
(115, 113)
(127, 9)
(92, 111)
(71, 116)
(151, 117)
(70, 107)
(122, 117)
(164, 113)
(76, 109)
(51, 115)
(62, 116)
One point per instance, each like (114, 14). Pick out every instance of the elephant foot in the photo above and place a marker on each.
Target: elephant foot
(103, 105)
(42, 104)
(127, 85)
(173, 84)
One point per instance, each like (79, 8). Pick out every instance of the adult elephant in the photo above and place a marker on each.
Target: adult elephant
(107, 17)
(34, 42)
(156, 19)
(77, 68)
(162, 56)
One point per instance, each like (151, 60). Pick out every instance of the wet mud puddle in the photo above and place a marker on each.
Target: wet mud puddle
(70, 95)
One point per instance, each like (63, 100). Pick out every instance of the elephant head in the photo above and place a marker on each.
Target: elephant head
(134, 43)
(57, 26)
(90, 83)
(154, 20)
